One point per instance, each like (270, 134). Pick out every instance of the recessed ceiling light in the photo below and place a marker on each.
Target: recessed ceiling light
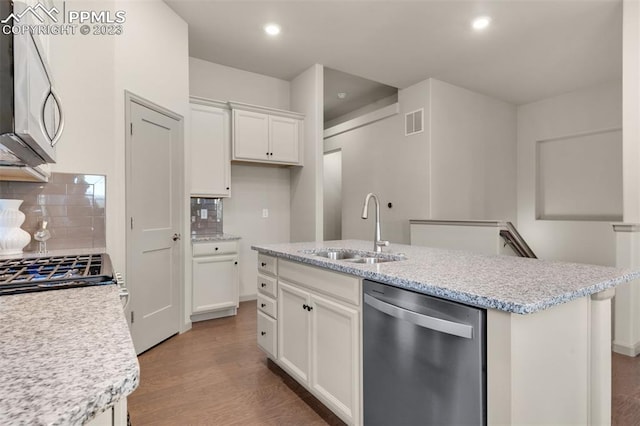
(481, 23)
(272, 29)
(342, 95)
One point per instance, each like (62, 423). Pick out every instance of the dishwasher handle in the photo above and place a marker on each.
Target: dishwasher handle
(425, 321)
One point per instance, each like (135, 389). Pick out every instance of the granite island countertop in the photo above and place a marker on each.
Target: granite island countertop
(65, 355)
(217, 237)
(507, 283)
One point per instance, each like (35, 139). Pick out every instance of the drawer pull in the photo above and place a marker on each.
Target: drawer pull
(263, 285)
(263, 333)
(263, 305)
(263, 264)
(216, 248)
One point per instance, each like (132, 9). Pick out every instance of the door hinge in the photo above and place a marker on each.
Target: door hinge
(131, 128)
(132, 319)
(131, 222)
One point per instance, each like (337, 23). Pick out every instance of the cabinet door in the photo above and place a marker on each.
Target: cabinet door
(215, 283)
(284, 138)
(335, 355)
(210, 160)
(250, 136)
(293, 331)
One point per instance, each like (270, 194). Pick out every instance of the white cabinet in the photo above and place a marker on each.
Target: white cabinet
(266, 135)
(318, 340)
(335, 355)
(293, 330)
(215, 280)
(267, 284)
(284, 134)
(114, 416)
(210, 149)
(250, 136)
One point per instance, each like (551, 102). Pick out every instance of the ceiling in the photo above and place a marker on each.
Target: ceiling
(533, 49)
(358, 91)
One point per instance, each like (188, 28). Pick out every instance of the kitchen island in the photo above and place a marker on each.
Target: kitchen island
(65, 356)
(548, 323)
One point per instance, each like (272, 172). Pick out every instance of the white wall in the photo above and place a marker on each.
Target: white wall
(378, 158)
(461, 167)
(473, 152)
(92, 73)
(306, 182)
(332, 202)
(220, 82)
(253, 187)
(585, 111)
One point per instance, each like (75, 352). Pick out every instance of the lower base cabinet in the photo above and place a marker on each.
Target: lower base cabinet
(215, 280)
(318, 338)
(114, 416)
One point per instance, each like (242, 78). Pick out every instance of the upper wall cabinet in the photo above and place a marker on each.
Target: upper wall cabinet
(266, 135)
(210, 141)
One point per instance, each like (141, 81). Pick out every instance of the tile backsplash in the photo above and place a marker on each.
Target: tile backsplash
(72, 204)
(206, 216)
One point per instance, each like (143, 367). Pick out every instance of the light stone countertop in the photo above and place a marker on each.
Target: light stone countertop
(506, 283)
(65, 355)
(219, 237)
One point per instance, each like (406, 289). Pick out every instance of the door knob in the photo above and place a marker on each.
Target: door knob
(176, 237)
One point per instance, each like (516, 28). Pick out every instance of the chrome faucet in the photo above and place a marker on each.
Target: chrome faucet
(377, 240)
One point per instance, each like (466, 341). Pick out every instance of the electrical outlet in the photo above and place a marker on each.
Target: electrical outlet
(265, 213)
(204, 213)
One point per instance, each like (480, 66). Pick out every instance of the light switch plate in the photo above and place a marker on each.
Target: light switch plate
(204, 213)
(265, 213)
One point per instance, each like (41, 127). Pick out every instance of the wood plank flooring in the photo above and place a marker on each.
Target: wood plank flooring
(216, 375)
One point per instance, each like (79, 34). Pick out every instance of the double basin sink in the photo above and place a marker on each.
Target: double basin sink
(356, 256)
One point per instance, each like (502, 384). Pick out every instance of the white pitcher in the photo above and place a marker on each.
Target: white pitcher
(12, 238)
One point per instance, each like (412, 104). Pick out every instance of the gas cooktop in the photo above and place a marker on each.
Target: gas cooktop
(26, 275)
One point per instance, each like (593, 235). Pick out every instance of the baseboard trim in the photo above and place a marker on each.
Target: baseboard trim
(631, 351)
(213, 315)
(248, 297)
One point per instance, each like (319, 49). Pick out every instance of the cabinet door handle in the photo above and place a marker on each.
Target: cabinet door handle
(263, 305)
(267, 154)
(263, 285)
(304, 306)
(235, 263)
(216, 248)
(227, 188)
(263, 332)
(263, 264)
(309, 308)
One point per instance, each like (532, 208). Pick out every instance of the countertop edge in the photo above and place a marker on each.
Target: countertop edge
(454, 295)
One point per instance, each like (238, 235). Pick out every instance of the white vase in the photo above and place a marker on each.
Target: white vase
(12, 237)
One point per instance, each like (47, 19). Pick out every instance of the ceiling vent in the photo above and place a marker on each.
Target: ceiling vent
(414, 122)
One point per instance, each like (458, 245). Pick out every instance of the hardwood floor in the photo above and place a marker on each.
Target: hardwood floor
(625, 407)
(216, 375)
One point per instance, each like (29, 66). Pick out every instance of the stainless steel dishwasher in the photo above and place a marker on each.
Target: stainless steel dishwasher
(424, 359)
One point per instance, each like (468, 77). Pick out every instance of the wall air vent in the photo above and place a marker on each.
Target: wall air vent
(414, 122)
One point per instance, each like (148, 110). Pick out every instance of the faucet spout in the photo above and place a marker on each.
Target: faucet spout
(377, 239)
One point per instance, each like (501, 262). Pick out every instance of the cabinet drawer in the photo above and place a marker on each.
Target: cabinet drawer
(341, 286)
(267, 305)
(267, 285)
(267, 338)
(267, 264)
(210, 248)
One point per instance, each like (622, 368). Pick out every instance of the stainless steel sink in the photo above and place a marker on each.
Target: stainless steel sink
(372, 260)
(356, 256)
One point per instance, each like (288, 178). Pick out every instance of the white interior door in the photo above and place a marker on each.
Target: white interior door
(154, 209)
